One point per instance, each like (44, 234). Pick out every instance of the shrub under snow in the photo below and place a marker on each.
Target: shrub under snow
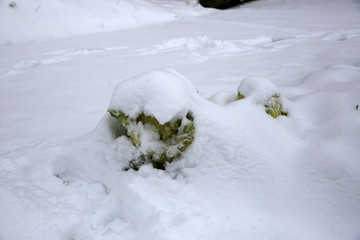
(259, 91)
(262, 91)
(154, 109)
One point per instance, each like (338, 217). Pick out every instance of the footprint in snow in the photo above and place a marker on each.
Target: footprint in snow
(55, 57)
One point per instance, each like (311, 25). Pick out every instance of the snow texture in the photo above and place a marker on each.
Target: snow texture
(245, 176)
(162, 94)
(257, 88)
(38, 20)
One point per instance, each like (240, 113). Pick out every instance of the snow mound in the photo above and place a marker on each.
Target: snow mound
(238, 173)
(223, 98)
(262, 91)
(36, 20)
(258, 89)
(161, 94)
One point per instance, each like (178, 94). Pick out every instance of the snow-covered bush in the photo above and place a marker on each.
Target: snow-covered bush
(154, 109)
(257, 90)
(262, 91)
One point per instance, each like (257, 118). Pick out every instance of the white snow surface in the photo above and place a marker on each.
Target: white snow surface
(38, 20)
(247, 176)
(257, 88)
(163, 94)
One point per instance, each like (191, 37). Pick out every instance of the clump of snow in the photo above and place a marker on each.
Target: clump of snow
(262, 91)
(161, 94)
(258, 89)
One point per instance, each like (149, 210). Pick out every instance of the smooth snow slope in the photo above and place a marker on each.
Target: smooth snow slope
(246, 176)
(38, 20)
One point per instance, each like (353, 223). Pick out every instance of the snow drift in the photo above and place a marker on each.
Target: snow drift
(154, 110)
(237, 173)
(38, 20)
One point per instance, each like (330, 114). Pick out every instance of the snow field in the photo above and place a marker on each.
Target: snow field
(38, 21)
(229, 172)
(246, 175)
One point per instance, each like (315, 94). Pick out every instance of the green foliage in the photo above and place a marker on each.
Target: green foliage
(357, 107)
(274, 107)
(174, 137)
(240, 96)
(166, 130)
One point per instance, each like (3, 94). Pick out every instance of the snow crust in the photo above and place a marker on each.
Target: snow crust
(245, 176)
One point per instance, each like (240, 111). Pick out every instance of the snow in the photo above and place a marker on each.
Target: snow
(257, 88)
(36, 20)
(246, 175)
(199, 46)
(223, 98)
(162, 94)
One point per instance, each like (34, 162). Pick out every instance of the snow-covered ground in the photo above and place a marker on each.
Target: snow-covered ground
(37, 20)
(246, 175)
